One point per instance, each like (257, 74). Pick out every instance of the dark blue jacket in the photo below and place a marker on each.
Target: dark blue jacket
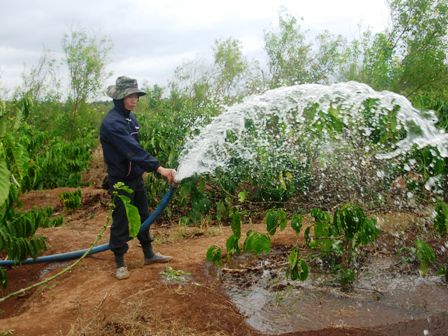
(125, 157)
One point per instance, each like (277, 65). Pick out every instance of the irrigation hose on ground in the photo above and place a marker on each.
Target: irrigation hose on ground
(100, 248)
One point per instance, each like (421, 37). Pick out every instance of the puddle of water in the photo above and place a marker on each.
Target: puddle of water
(52, 266)
(381, 297)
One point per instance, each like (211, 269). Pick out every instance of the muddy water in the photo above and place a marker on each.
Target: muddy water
(52, 266)
(381, 297)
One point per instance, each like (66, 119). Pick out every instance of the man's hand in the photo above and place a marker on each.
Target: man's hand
(169, 174)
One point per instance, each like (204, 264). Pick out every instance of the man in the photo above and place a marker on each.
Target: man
(126, 162)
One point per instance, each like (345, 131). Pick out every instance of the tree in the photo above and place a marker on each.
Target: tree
(154, 96)
(419, 38)
(226, 80)
(380, 65)
(328, 59)
(41, 82)
(288, 53)
(230, 64)
(354, 59)
(190, 75)
(86, 58)
(411, 56)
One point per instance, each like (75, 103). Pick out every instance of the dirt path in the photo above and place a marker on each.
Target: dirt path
(89, 301)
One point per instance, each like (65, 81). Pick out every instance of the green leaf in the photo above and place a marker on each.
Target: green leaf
(346, 277)
(221, 211)
(443, 270)
(123, 187)
(282, 181)
(297, 268)
(307, 236)
(33, 249)
(257, 243)
(3, 239)
(441, 218)
(303, 270)
(5, 182)
(133, 215)
(321, 217)
(3, 277)
(368, 231)
(282, 218)
(242, 196)
(292, 258)
(71, 199)
(232, 246)
(425, 256)
(271, 221)
(274, 219)
(20, 159)
(172, 274)
(55, 222)
(296, 223)
(236, 224)
(134, 220)
(214, 255)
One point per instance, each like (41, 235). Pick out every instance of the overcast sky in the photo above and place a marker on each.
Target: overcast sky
(151, 38)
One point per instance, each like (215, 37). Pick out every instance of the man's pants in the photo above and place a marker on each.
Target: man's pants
(119, 231)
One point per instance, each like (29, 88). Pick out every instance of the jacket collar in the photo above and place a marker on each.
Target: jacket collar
(119, 106)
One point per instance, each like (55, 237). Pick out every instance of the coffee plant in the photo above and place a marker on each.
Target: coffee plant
(21, 169)
(298, 269)
(255, 242)
(441, 218)
(337, 239)
(71, 200)
(214, 255)
(425, 256)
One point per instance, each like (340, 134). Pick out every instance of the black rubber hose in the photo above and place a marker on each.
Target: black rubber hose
(100, 248)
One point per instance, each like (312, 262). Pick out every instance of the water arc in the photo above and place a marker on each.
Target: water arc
(309, 139)
(100, 248)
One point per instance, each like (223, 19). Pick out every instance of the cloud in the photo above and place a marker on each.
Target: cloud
(151, 38)
(149, 69)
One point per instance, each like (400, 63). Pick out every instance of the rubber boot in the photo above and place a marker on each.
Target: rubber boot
(152, 258)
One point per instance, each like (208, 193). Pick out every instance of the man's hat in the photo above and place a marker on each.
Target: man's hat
(124, 86)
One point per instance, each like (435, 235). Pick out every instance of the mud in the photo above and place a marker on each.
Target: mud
(380, 296)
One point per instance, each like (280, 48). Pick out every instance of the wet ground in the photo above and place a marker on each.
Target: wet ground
(382, 295)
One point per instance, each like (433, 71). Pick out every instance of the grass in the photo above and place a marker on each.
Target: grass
(134, 319)
(6, 332)
(171, 274)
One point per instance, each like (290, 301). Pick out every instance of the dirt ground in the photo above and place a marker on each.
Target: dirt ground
(88, 300)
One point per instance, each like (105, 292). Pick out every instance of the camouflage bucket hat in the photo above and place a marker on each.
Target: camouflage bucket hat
(124, 86)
